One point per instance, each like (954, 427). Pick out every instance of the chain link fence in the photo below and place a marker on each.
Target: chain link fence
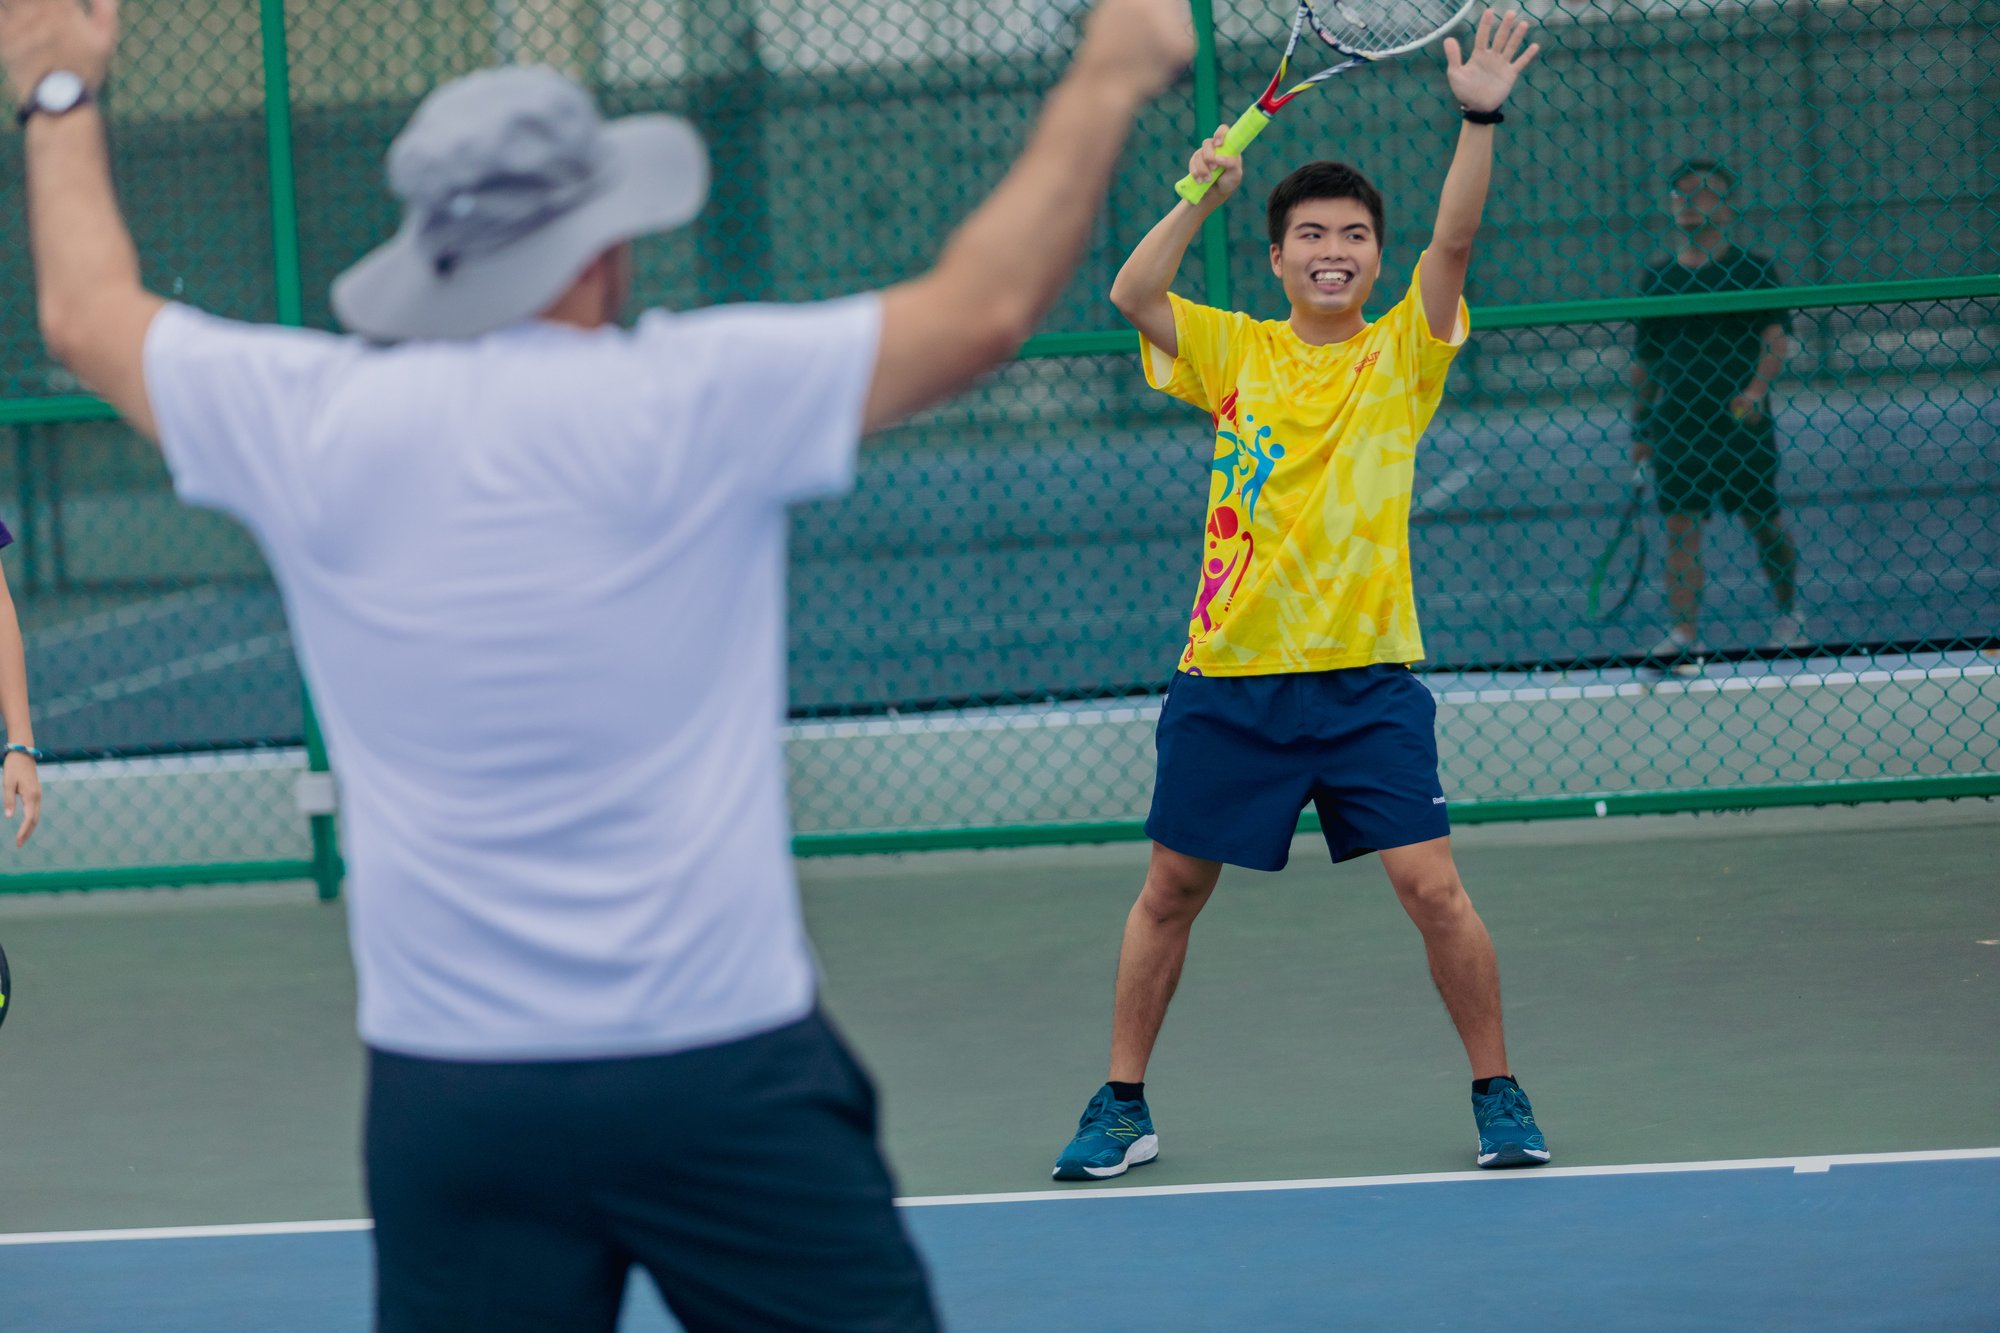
(980, 634)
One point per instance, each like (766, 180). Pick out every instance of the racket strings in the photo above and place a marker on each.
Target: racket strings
(1375, 28)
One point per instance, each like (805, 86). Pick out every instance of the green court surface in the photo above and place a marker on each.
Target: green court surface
(1683, 988)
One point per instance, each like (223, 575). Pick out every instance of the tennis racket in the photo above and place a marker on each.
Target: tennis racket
(6, 986)
(1616, 575)
(1357, 31)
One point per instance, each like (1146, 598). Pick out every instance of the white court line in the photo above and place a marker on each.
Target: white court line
(124, 617)
(176, 765)
(1799, 1165)
(1030, 716)
(153, 678)
(189, 1233)
(1773, 682)
(1451, 484)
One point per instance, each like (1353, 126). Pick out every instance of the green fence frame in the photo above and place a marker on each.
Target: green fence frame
(324, 867)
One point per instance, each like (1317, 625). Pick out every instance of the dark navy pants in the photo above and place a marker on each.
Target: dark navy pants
(745, 1178)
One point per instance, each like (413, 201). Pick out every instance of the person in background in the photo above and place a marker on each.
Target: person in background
(1703, 414)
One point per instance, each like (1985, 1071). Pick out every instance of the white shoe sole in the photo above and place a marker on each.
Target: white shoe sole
(1142, 1151)
(1527, 1154)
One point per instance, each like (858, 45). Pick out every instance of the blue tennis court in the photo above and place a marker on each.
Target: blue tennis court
(1780, 1008)
(1888, 1241)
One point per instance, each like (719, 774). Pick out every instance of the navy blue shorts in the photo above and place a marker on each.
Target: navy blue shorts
(1241, 756)
(744, 1177)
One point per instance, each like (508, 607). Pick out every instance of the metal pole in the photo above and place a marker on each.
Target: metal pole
(289, 290)
(1207, 115)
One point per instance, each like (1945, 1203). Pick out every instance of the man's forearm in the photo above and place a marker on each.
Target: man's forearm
(1644, 388)
(1463, 200)
(1019, 248)
(1149, 271)
(81, 246)
(94, 313)
(1770, 363)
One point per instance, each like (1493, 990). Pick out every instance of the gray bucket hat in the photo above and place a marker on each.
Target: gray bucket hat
(511, 183)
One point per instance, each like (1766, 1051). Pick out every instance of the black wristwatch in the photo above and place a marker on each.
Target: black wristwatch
(58, 92)
(1493, 117)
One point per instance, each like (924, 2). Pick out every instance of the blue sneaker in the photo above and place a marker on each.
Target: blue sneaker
(1508, 1134)
(1111, 1138)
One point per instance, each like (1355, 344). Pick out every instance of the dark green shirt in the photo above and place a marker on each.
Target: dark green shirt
(1700, 362)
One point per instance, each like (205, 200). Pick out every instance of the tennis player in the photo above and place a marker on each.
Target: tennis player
(534, 563)
(1295, 686)
(1703, 416)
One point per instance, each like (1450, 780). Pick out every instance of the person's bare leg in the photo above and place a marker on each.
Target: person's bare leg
(1149, 962)
(1684, 572)
(1779, 558)
(1461, 956)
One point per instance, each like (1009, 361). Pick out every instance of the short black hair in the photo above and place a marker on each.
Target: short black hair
(1704, 166)
(1322, 180)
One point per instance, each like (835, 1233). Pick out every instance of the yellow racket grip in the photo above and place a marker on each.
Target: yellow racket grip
(1247, 127)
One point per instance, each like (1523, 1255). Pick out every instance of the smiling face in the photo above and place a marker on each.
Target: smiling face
(1329, 257)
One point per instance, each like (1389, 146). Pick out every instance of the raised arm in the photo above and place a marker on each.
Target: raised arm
(1480, 81)
(1753, 403)
(93, 311)
(1004, 267)
(20, 783)
(1140, 289)
(1645, 392)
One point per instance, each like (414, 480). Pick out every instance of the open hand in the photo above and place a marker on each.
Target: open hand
(1482, 80)
(39, 36)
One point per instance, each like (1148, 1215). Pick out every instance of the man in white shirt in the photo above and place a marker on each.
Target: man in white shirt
(534, 564)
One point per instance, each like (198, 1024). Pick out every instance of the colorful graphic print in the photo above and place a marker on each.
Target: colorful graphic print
(1225, 565)
(1245, 463)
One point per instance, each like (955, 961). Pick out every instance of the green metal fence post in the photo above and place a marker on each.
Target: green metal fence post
(289, 291)
(1207, 115)
(733, 235)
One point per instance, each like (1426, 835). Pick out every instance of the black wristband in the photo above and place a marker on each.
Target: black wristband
(1482, 117)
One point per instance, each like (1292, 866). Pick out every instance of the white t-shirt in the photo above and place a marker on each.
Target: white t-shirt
(536, 581)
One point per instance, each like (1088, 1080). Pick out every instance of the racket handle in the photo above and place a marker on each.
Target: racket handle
(1247, 127)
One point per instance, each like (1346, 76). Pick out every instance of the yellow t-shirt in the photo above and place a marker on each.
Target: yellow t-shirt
(1306, 552)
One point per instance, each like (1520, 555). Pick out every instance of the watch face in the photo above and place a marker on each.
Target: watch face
(59, 91)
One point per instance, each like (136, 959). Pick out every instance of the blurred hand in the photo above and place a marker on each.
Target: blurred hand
(39, 36)
(1143, 45)
(1642, 448)
(1208, 163)
(1747, 407)
(1481, 81)
(22, 784)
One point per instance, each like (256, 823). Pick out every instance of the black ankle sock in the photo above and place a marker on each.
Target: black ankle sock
(1482, 1086)
(1128, 1092)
